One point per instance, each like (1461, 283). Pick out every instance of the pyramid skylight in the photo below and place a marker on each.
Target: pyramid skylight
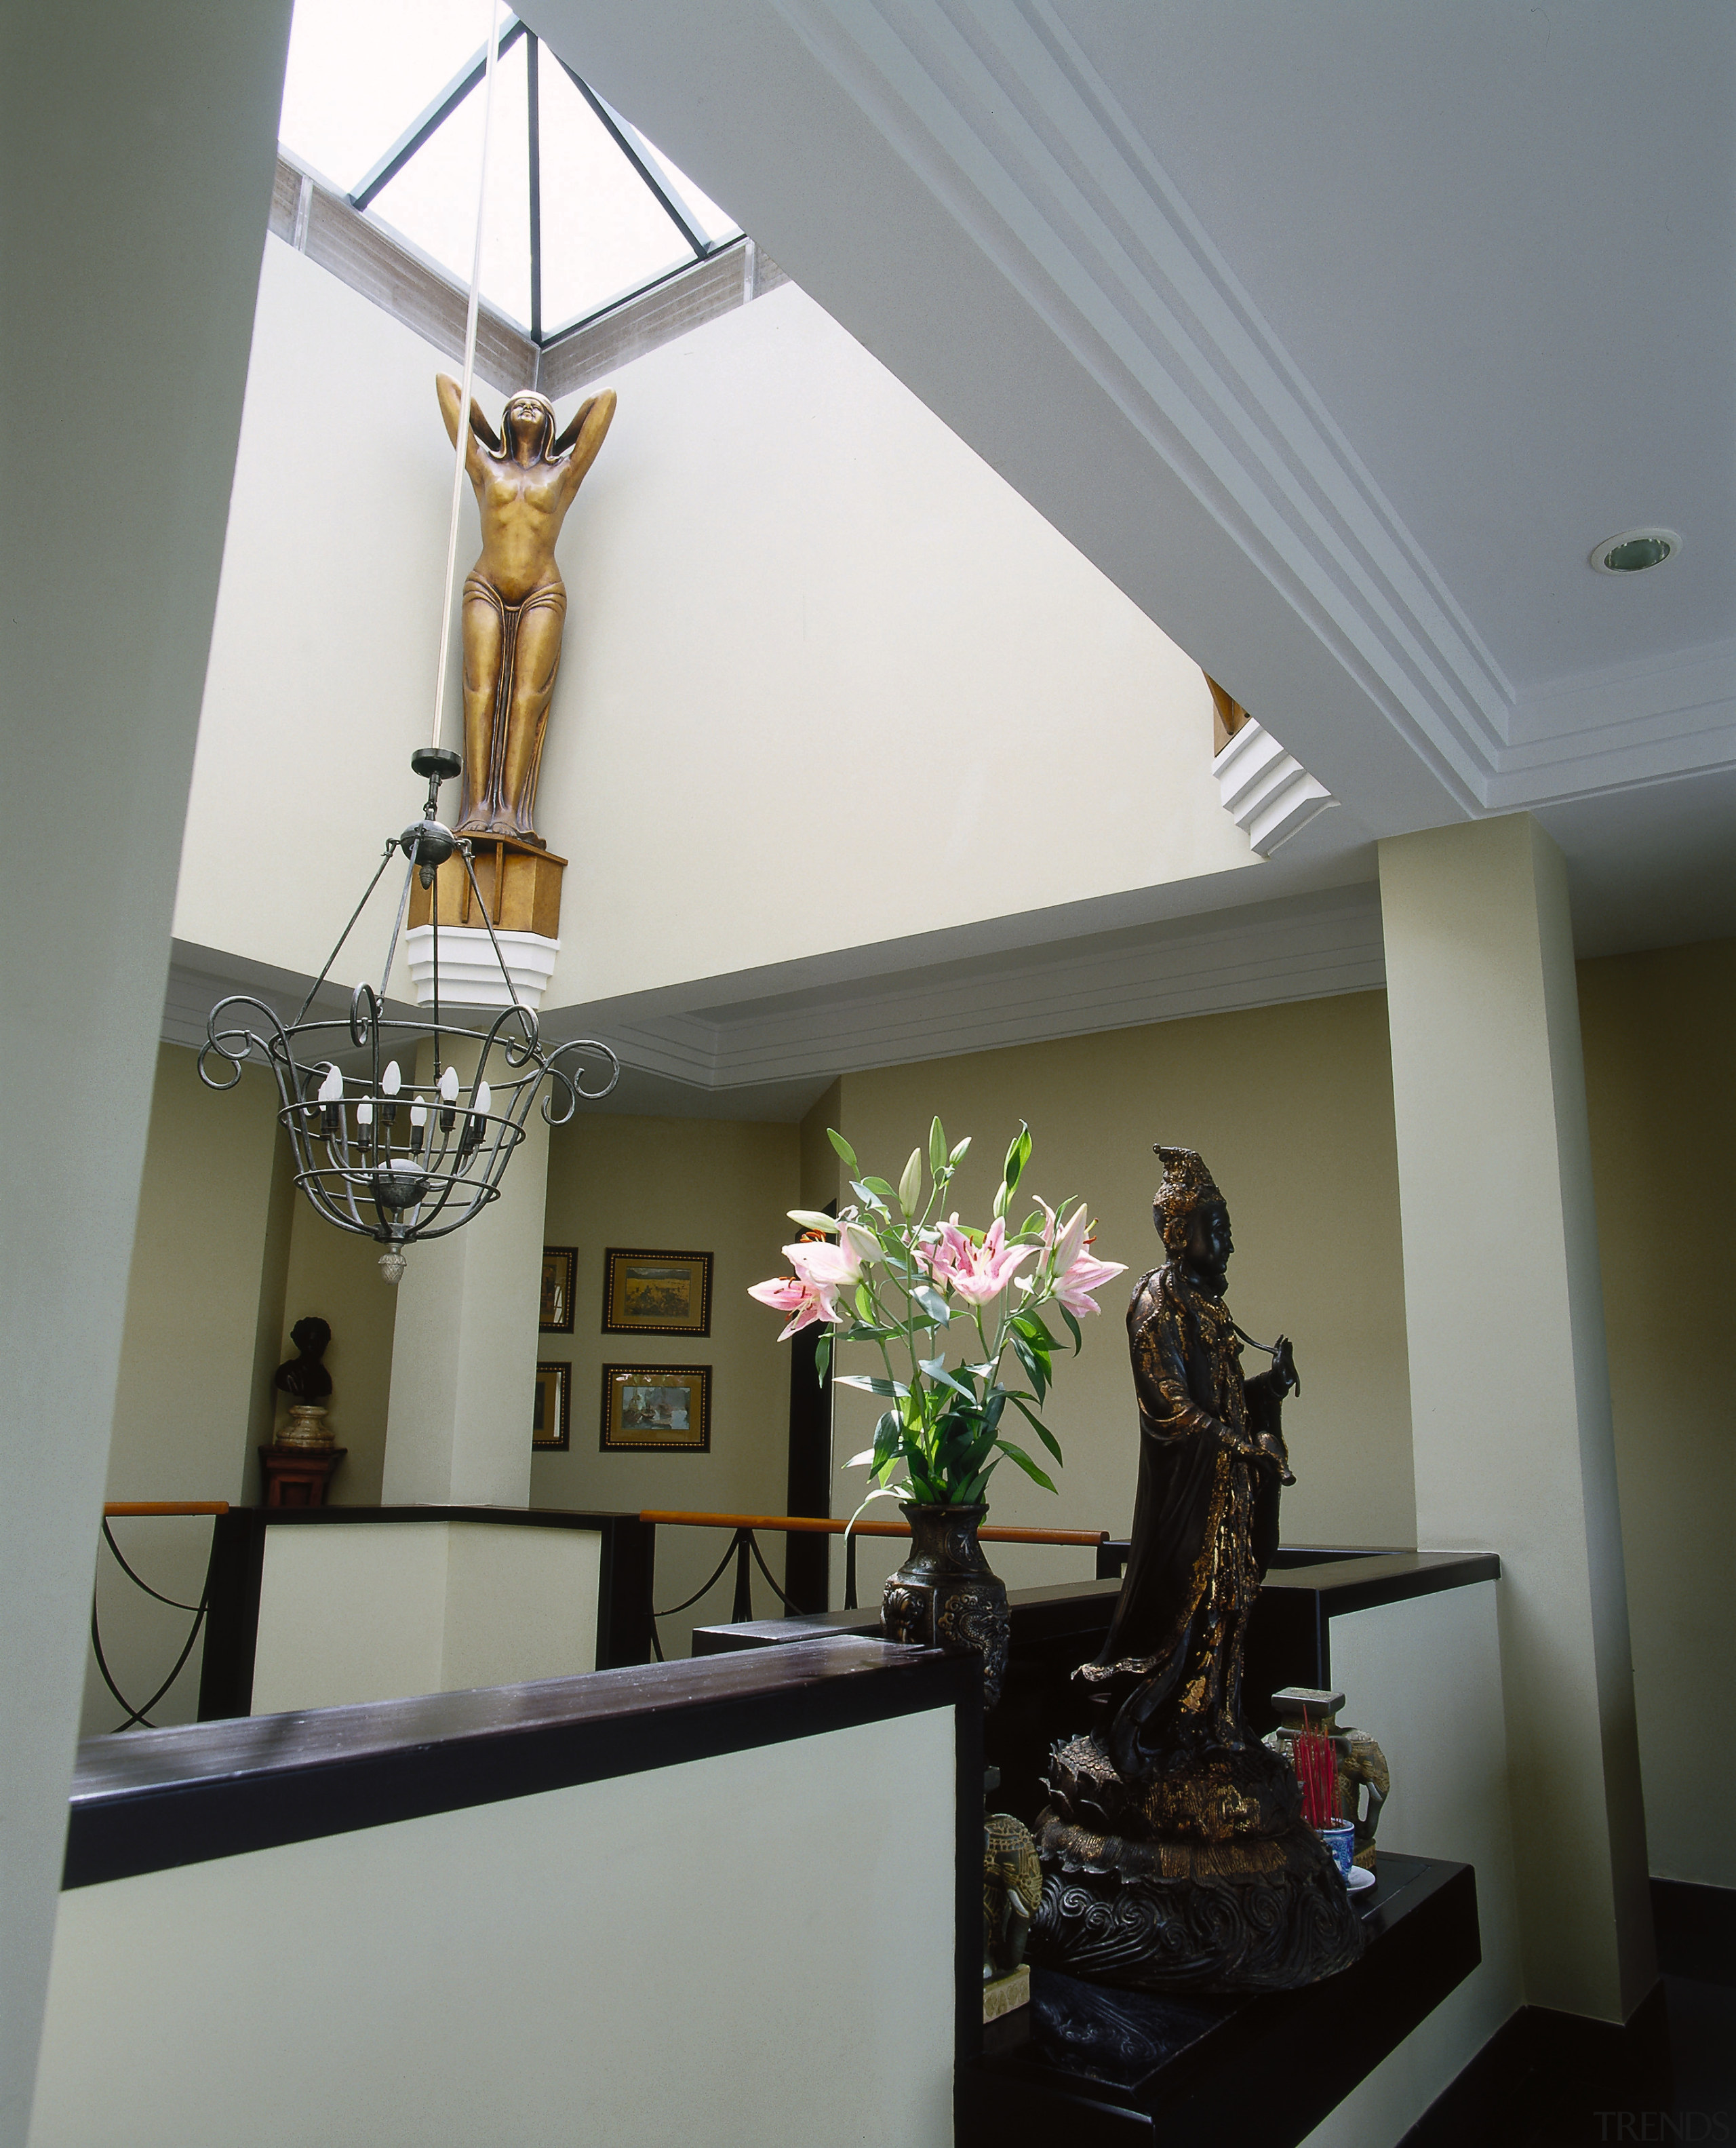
(383, 102)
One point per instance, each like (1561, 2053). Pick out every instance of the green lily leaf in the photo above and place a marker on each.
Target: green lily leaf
(1040, 1429)
(936, 1368)
(822, 1357)
(844, 1149)
(872, 1383)
(1034, 1332)
(1035, 1369)
(1018, 1155)
(932, 1303)
(1036, 1476)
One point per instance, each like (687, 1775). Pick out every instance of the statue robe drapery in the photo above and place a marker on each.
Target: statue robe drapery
(1205, 1523)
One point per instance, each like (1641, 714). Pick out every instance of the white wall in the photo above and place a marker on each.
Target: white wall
(136, 167)
(790, 584)
(1423, 1679)
(363, 1611)
(1660, 1070)
(611, 1965)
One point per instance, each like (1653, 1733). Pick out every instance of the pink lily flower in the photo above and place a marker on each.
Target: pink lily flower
(1076, 1273)
(975, 1273)
(822, 1270)
(826, 1265)
(804, 1301)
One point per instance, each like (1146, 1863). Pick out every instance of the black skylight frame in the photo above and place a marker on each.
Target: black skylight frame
(435, 116)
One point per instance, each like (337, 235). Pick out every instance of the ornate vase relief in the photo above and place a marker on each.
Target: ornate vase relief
(945, 1591)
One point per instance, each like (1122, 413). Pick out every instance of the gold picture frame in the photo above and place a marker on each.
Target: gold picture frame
(659, 1409)
(551, 1411)
(646, 1293)
(560, 1272)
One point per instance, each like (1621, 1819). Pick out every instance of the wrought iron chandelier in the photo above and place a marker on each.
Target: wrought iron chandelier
(408, 1147)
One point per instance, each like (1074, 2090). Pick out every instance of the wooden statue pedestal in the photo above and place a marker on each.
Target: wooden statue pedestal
(520, 884)
(298, 1476)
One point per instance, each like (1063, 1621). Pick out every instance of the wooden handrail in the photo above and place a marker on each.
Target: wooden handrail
(113, 1509)
(818, 1525)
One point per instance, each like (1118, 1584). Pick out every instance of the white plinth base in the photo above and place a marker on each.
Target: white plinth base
(470, 974)
(1267, 790)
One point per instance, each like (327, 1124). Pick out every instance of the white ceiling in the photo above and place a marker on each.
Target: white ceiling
(1336, 335)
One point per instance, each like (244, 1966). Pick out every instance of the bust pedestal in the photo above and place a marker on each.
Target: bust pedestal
(298, 1476)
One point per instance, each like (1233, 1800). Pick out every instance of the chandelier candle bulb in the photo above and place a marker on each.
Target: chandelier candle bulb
(331, 1103)
(391, 1081)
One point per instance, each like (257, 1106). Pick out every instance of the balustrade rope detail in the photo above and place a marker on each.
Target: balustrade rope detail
(120, 1509)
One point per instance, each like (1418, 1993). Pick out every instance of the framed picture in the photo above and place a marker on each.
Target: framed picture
(559, 1264)
(551, 1415)
(649, 1294)
(662, 1407)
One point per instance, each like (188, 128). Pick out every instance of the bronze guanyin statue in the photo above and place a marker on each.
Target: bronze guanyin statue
(1175, 1853)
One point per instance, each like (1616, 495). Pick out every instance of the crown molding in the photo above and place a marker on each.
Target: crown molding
(781, 1032)
(1309, 946)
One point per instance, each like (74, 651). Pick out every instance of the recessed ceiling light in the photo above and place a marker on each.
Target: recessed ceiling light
(1635, 550)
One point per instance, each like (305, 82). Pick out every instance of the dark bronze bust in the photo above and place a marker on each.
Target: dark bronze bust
(1174, 1851)
(304, 1376)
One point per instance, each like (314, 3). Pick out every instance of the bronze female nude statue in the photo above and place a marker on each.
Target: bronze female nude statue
(515, 602)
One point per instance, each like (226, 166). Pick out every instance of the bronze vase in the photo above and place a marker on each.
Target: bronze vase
(946, 1592)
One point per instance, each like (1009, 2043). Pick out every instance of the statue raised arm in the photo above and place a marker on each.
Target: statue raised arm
(525, 478)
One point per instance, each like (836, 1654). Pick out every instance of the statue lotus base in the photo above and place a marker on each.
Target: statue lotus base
(1230, 1889)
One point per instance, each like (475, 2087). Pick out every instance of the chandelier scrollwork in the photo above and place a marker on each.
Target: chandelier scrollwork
(404, 1145)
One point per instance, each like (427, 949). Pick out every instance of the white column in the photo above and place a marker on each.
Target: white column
(136, 157)
(464, 1349)
(1509, 1387)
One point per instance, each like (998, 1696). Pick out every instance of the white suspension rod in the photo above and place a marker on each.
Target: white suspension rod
(463, 400)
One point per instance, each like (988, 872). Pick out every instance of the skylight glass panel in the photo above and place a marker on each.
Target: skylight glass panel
(717, 224)
(361, 71)
(606, 234)
(432, 202)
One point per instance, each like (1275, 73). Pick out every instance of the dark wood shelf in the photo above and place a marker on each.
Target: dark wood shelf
(1088, 2064)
